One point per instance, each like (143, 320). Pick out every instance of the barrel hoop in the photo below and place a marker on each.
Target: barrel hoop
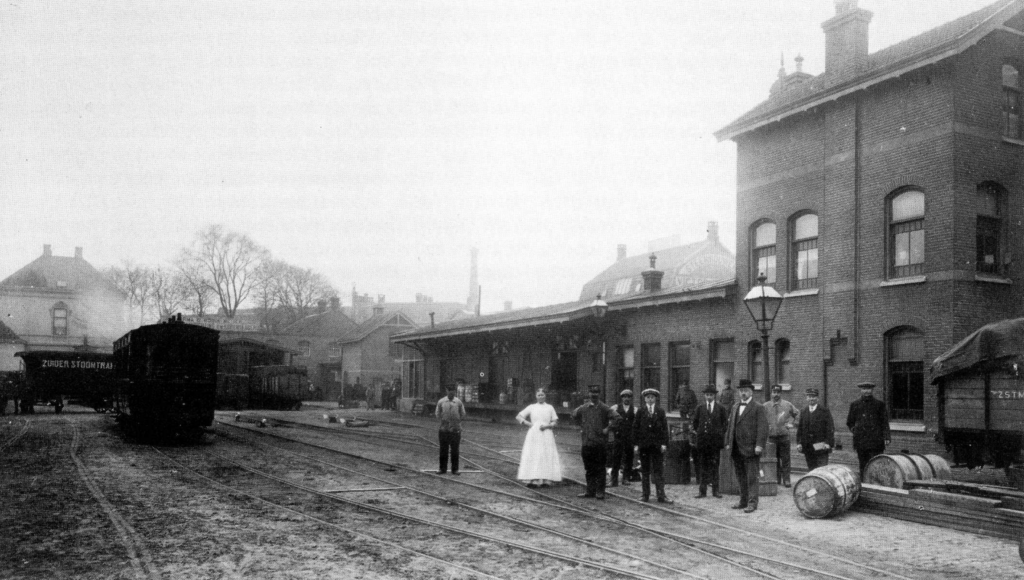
(935, 472)
(914, 463)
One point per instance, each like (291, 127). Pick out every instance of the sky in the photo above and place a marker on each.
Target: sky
(378, 141)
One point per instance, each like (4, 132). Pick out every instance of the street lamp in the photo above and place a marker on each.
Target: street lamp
(763, 303)
(599, 307)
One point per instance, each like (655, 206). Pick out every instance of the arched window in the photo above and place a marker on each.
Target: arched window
(805, 252)
(905, 373)
(59, 316)
(763, 253)
(906, 234)
(989, 200)
(1011, 102)
(782, 362)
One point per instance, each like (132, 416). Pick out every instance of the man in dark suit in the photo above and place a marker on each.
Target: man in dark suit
(815, 432)
(709, 423)
(650, 440)
(622, 447)
(746, 438)
(868, 420)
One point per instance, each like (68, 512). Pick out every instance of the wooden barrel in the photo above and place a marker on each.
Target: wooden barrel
(893, 470)
(826, 491)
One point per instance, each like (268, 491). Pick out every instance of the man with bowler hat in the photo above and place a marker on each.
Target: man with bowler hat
(595, 420)
(622, 448)
(815, 432)
(746, 439)
(868, 420)
(650, 437)
(709, 424)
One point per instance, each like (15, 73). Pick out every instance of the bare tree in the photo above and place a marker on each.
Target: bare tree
(199, 295)
(136, 283)
(301, 289)
(230, 262)
(267, 295)
(169, 291)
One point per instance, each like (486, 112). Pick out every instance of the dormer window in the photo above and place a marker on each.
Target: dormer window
(1011, 102)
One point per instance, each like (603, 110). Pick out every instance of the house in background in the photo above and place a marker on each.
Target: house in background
(62, 303)
(10, 343)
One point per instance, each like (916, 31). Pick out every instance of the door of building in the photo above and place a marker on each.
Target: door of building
(564, 376)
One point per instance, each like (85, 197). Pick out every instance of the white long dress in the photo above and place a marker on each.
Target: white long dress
(539, 461)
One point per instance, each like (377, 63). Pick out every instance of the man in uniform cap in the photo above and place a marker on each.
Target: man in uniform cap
(650, 437)
(709, 424)
(622, 448)
(746, 438)
(781, 414)
(868, 420)
(595, 420)
(815, 432)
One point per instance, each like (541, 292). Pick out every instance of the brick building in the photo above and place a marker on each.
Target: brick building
(882, 198)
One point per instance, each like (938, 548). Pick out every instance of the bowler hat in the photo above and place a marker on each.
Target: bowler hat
(812, 392)
(745, 384)
(626, 393)
(865, 385)
(711, 388)
(654, 392)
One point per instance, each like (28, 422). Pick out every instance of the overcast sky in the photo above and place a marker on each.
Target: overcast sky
(378, 141)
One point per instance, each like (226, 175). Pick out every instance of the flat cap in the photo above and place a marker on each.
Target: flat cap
(654, 392)
(745, 384)
(776, 388)
(626, 393)
(865, 385)
(595, 389)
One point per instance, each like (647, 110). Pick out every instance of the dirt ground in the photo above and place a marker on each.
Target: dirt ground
(81, 502)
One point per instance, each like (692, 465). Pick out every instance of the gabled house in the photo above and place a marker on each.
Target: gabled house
(62, 303)
(10, 344)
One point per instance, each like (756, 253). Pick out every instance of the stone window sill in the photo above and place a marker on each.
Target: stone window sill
(992, 279)
(904, 281)
(799, 293)
(1013, 141)
(907, 427)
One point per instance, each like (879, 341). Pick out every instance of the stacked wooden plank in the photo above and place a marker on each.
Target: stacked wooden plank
(981, 509)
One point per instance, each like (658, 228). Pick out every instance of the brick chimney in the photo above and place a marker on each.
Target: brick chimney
(321, 306)
(712, 231)
(335, 303)
(652, 277)
(78, 252)
(47, 251)
(622, 253)
(846, 39)
(378, 309)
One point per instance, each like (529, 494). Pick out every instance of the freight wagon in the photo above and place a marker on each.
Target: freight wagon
(264, 387)
(55, 376)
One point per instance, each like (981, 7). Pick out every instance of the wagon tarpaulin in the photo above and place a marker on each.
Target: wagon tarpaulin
(1001, 341)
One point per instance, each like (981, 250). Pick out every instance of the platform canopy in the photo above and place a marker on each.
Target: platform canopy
(996, 343)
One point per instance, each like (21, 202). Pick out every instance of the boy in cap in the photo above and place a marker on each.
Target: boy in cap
(815, 432)
(868, 420)
(709, 423)
(595, 420)
(781, 414)
(622, 450)
(650, 436)
(746, 438)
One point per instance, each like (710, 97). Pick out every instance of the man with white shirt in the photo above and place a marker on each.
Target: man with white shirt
(746, 438)
(815, 432)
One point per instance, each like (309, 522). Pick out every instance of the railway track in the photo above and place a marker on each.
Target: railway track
(711, 549)
(19, 432)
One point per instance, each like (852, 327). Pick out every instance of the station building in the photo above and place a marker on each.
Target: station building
(882, 198)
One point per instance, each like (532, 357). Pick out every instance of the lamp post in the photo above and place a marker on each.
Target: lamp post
(599, 308)
(763, 303)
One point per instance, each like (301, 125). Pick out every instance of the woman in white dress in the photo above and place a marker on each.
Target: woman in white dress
(539, 465)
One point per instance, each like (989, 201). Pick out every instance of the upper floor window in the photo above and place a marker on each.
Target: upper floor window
(763, 258)
(905, 373)
(1011, 102)
(906, 234)
(805, 252)
(303, 348)
(333, 350)
(989, 228)
(59, 316)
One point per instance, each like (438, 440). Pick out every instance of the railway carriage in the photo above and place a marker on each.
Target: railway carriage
(264, 387)
(167, 378)
(981, 395)
(56, 376)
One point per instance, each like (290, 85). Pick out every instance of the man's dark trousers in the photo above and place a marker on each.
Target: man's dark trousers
(866, 455)
(747, 471)
(594, 458)
(449, 440)
(652, 467)
(707, 469)
(782, 458)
